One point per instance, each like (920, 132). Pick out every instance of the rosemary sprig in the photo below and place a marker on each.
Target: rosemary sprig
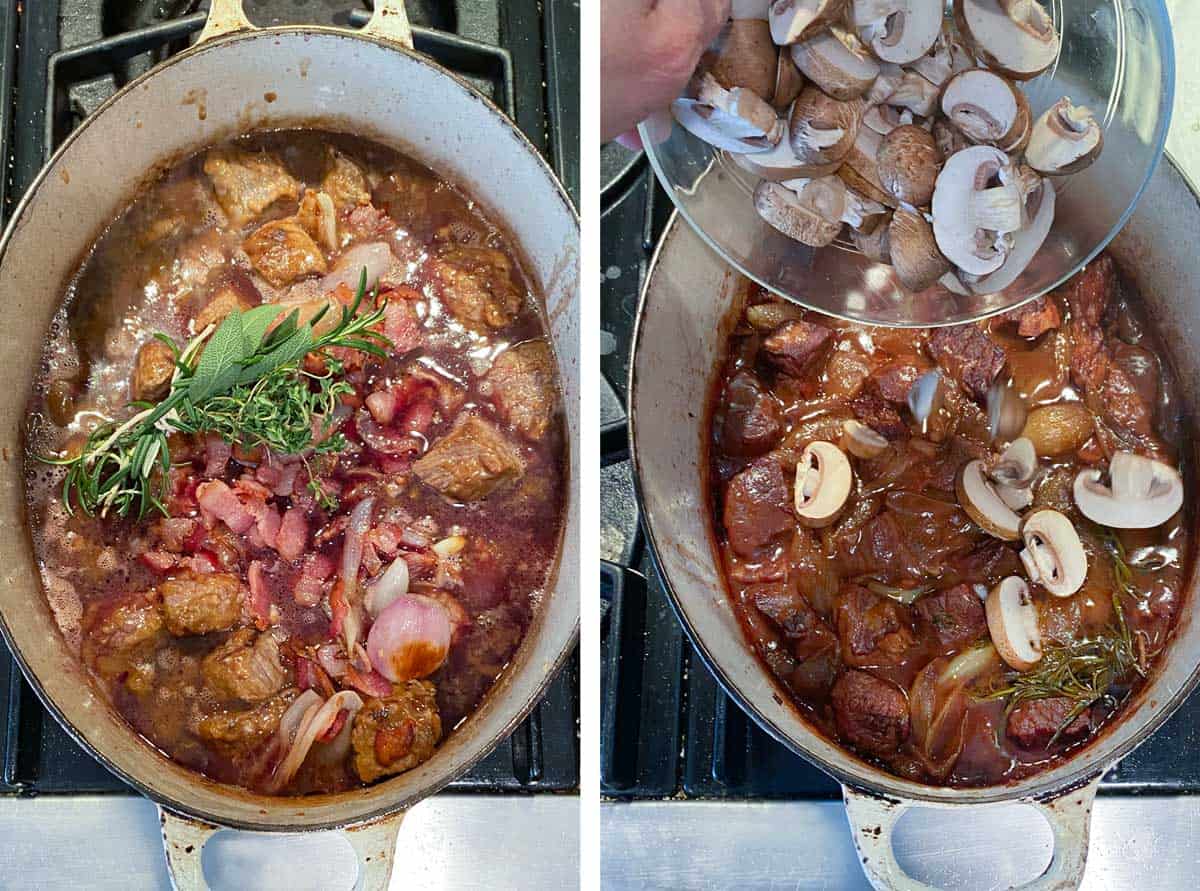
(239, 381)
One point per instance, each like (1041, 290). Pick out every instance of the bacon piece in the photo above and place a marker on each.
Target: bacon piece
(400, 323)
(159, 561)
(278, 476)
(339, 608)
(293, 534)
(310, 676)
(217, 453)
(218, 501)
(372, 683)
(259, 601)
(339, 721)
(313, 573)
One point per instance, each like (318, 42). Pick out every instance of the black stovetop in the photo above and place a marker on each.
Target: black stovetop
(59, 59)
(667, 728)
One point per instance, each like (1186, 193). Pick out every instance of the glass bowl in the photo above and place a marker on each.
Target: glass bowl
(1116, 57)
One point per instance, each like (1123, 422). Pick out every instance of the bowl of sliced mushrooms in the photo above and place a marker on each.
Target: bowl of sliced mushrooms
(913, 162)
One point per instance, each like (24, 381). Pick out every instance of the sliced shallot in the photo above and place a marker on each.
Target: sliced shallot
(375, 257)
(352, 552)
(317, 721)
(382, 592)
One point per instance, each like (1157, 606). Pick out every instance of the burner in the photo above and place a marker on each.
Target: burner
(94, 47)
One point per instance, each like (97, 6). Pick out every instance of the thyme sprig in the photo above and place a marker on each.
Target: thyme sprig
(244, 381)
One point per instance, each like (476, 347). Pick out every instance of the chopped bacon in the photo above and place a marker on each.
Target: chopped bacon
(385, 538)
(421, 564)
(310, 676)
(217, 453)
(202, 563)
(395, 466)
(292, 534)
(259, 601)
(417, 418)
(175, 533)
(278, 476)
(309, 586)
(400, 323)
(219, 502)
(267, 523)
(370, 682)
(159, 561)
(339, 721)
(339, 608)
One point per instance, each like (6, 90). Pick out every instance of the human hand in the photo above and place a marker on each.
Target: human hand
(649, 49)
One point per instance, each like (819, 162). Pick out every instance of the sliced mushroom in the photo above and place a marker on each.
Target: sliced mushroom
(795, 20)
(890, 76)
(735, 120)
(875, 245)
(862, 214)
(822, 129)
(949, 140)
(1027, 241)
(1066, 139)
(1016, 37)
(1013, 474)
(951, 282)
(987, 109)
(860, 171)
(899, 31)
(812, 216)
(1142, 493)
(914, 252)
(1007, 411)
(823, 481)
(945, 58)
(916, 94)
(1012, 620)
(978, 497)
(861, 441)
(908, 163)
(977, 203)
(746, 57)
(788, 81)
(1053, 555)
(837, 63)
(884, 118)
(926, 397)
(780, 164)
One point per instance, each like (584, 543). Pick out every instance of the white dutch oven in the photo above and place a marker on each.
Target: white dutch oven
(682, 326)
(236, 79)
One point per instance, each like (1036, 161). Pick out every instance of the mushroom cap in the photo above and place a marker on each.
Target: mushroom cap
(823, 481)
(898, 31)
(735, 120)
(948, 138)
(914, 93)
(1007, 412)
(861, 441)
(1143, 493)
(812, 216)
(1012, 620)
(1027, 241)
(969, 218)
(914, 253)
(983, 504)
(908, 163)
(788, 80)
(875, 245)
(945, 58)
(821, 129)
(1064, 140)
(1053, 556)
(746, 57)
(780, 163)
(986, 108)
(836, 62)
(860, 171)
(794, 20)
(884, 118)
(1015, 38)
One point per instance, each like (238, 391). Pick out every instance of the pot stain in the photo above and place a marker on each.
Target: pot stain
(199, 98)
(304, 66)
(270, 96)
(65, 176)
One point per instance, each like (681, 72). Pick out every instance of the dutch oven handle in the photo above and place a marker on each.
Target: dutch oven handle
(873, 818)
(390, 21)
(184, 838)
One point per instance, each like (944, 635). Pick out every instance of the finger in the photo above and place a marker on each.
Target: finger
(631, 140)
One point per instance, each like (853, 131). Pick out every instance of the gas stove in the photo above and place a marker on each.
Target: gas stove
(680, 760)
(59, 60)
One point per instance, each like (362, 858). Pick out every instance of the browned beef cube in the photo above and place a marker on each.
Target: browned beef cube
(757, 507)
(795, 346)
(152, 371)
(874, 630)
(121, 636)
(396, 734)
(1032, 725)
(221, 304)
(282, 252)
(753, 420)
(1088, 294)
(247, 666)
(345, 182)
(894, 381)
(522, 382)
(198, 604)
(870, 713)
(969, 356)
(247, 183)
(1124, 405)
(470, 462)
(476, 284)
(1035, 318)
(879, 415)
(954, 616)
(408, 197)
(237, 733)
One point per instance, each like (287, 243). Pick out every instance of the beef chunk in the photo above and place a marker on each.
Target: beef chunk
(753, 420)
(1087, 296)
(786, 608)
(874, 630)
(757, 507)
(408, 197)
(198, 604)
(814, 647)
(968, 356)
(247, 183)
(522, 381)
(795, 346)
(470, 462)
(152, 371)
(396, 734)
(121, 636)
(1032, 725)
(1034, 318)
(476, 284)
(345, 182)
(247, 666)
(954, 616)
(913, 537)
(880, 416)
(236, 733)
(894, 381)
(870, 714)
(282, 252)
(221, 304)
